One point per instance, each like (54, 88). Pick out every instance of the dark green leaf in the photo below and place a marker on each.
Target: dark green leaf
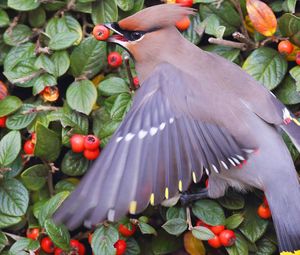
(45, 63)
(14, 198)
(202, 233)
(120, 106)
(7, 221)
(35, 176)
(3, 241)
(209, 211)
(125, 5)
(24, 244)
(191, 33)
(58, 233)
(113, 86)
(240, 246)
(164, 243)
(15, 168)
(37, 17)
(234, 221)
(74, 164)
(23, 5)
(61, 62)
(22, 118)
(232, 201)
(104, 239)
(88, 58)
(10, 146)
(43, 81)
(175, 226)
(287, 91)
(17, 35)
(81, 96)
(226, 52)
(267, 66)
(289, 26)
(63, 40)
(47, 144)
(9, 105)
(146, 229)
(295, 73)
(176, 212)
(65, 185)
(132, 247)
(265, 247)
(104, 11)
(4, 19)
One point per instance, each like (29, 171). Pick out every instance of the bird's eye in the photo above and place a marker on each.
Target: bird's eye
(136, 35)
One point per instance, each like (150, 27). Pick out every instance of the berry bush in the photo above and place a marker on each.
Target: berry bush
(63, 93)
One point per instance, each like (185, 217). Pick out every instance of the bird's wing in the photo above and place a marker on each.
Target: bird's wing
(156, 152)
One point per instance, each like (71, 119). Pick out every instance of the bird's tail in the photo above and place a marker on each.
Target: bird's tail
(284, 202)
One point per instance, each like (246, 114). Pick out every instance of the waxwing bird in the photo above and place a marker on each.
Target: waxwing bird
(195, 113)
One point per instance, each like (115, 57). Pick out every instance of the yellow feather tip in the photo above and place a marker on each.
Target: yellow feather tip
(152, 199)
(194, 177)
(290, 253)
(132, 207)
(180, 186)
(167, 193)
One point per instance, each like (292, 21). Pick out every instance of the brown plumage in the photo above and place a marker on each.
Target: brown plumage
(195, 112)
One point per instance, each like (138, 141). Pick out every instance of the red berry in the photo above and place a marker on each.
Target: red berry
(28, 147)
(125, 231)
(3, 122)
(114, 59)
(100, 32)
(265, 201)
(78, 246)
(217, 229)
(91, 155)
(285, 47)
(183, 24)
(58, 251)
(47, 245)
(215, 242)
(227, 237)
(91, 142)
(264, 212)
(206, 183)
(201, 223)
(186, 3)
(120, 246)
(298, 58)
(136, 81)
(32, 233)
(77, 143)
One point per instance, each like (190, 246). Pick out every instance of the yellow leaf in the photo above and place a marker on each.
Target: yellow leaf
(193, 245)
(262, 17)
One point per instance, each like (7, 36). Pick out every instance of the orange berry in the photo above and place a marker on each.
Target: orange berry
(183, 24)
(264, 212)
(285, 47)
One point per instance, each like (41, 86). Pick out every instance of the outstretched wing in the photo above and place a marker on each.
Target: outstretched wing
(156, 152)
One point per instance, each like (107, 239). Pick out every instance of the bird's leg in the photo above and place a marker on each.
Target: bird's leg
(187, 198)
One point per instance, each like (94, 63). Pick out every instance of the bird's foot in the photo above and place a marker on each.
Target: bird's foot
(186, 198)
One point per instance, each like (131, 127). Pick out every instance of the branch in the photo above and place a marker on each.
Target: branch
(242, 38)
(41, 108)
(228, 43)
(188, 218)
(129, 74)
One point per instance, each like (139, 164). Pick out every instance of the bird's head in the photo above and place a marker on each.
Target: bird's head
(145, 31)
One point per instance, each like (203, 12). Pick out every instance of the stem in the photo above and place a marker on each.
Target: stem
(129, 74)
(238, 7)
(29, 77)
(50, 183)
(41, 108)
(188, 218)
(242, 38)
(232, 44)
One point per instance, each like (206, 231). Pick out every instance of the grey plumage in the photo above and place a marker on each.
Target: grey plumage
(194, 111)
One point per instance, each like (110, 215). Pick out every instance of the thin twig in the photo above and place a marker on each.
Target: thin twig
(242, 38)
(128, 70)
(41, 108)
(228, 43)
(29, 77)
(238, 7)
(50, 183)
(188, 218)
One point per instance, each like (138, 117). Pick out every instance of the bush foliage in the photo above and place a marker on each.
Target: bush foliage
(48, 43)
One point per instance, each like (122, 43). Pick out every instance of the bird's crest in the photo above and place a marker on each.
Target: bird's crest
(154, 17)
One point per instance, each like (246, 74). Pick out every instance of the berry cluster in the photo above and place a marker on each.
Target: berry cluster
(223, 236)
(89, 145)
(287, 48)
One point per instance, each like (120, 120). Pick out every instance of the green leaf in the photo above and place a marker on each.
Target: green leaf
(253, 227)
(88, 58)
(17, 35)
(14, 198)
(47, 144)
(223, 51)
(23, 5)
(45, 63)
(81, 96)
(59, 234)
(267, 66)
(265, 247)
(175, 226)
(9, 105)
(47, 210)
(226, 14)
(7, 221)
(202, 233)
(4, 19)
(104, 11)
(295, 73)
(176, 212)
(15, 168)
(120, 106)
(61, 62)
(10, 146)
(209, 211)
(240, 246)
(65, 185)
(43, 81)
(191, 33)
(146, 229)
(104, 239)
(18, 54)
(232, 201)
(132, 247)
(34, 177)
(74, 164)
(24, 244)
(113, 86)
(287, 91)
(37, 17)
(3, 241)
(63, 40)
(125, 5)
(289, 26)
(234, 221)
(164, 243)
(22, 118)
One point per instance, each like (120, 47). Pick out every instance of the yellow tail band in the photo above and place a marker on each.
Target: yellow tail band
(290, 253)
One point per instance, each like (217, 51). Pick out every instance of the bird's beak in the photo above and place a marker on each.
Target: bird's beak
(117, 37)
